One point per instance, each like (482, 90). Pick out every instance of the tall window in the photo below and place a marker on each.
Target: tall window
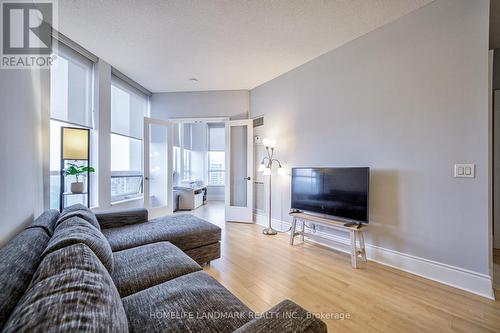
(216, 155)
(71, 82)
(128, 108)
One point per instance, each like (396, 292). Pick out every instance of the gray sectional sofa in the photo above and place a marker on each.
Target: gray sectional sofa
(118, 272)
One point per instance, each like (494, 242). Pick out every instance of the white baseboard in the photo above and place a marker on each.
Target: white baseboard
(476, 283)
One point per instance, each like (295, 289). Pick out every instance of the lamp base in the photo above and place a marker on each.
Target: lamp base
(269, 231)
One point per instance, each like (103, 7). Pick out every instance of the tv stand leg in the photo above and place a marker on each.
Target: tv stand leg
(292, 231)
(303, 230)
(362, 244)
(354, 251)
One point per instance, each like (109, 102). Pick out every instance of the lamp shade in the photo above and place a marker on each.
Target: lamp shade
(75, 143)
(271, 143)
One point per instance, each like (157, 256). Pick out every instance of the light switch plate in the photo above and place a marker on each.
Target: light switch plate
(465, 170)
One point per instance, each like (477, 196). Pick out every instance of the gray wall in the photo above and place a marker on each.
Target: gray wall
(408, 100)
(23, 101)
(233, 104)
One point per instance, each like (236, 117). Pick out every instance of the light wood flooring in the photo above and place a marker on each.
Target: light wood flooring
(263, 270)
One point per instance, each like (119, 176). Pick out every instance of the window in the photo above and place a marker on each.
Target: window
(71, 86)
(216, 155)
(128, 108)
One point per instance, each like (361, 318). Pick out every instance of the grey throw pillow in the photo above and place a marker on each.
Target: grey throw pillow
(76, 230)
(80, 211)
(46, 221)
(70, 292)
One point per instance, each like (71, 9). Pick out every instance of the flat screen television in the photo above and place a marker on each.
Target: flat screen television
(338, 192)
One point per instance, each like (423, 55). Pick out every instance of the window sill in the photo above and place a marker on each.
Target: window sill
(119, 202)
(215, 185)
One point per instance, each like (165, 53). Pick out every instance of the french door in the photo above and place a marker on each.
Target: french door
(239, 171)
(158, 166)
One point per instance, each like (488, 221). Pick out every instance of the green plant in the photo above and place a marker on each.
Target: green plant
(77, 170)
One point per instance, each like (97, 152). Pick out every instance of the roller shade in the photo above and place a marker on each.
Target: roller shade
(71, 88)
(216, 137)
(128, 108)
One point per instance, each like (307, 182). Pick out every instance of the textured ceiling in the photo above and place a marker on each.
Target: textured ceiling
(225, 44)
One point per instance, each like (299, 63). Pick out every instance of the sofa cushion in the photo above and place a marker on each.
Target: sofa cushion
(183, 230)
(191, 303)
(120, 218)
(70, 292)
(145, 266)
(205, 253)
(80, 211)
(19, 260)
(46, 221)
(75, 230)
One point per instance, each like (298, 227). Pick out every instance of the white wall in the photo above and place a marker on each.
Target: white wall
(23, 108)
(233, 104)
(408, 100)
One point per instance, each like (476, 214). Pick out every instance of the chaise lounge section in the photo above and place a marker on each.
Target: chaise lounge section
(197, 238)
(62, 275)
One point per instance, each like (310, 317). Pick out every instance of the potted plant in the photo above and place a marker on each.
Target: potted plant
(77, 171)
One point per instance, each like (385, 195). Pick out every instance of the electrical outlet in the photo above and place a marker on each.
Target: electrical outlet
(465, 170)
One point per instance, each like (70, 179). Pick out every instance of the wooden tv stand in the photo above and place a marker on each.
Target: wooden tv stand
(355, 233)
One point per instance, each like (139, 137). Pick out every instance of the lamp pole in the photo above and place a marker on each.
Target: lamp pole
(265, 166)
(269, 230)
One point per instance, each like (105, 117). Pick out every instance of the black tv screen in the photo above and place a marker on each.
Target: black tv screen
(338, 192)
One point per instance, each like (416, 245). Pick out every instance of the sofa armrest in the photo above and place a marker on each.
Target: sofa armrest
(123, 217)
(284, 317)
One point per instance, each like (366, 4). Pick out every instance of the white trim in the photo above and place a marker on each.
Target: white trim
(199, 120)
(120, 202)
(124, 78)
(74, 45)
(474, 282)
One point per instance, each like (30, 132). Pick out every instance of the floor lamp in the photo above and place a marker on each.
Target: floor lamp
(265, 167)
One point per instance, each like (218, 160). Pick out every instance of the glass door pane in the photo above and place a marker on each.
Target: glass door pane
(238, 160)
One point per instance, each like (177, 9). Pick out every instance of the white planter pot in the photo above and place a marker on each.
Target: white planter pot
(76, 187)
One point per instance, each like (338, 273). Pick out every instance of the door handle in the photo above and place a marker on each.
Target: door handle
(146, 178)
(247, 178)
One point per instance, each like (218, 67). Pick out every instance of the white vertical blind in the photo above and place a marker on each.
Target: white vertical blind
(128, 108)
(71, 88)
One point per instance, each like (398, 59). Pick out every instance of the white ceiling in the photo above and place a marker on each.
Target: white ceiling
(225, 44)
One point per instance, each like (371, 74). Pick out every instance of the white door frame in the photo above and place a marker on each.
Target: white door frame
(168, 209)
(236, 213)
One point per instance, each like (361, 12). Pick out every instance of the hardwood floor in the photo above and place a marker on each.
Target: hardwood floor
(263, 270)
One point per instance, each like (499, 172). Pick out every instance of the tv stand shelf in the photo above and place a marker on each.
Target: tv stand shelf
(356, 233)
